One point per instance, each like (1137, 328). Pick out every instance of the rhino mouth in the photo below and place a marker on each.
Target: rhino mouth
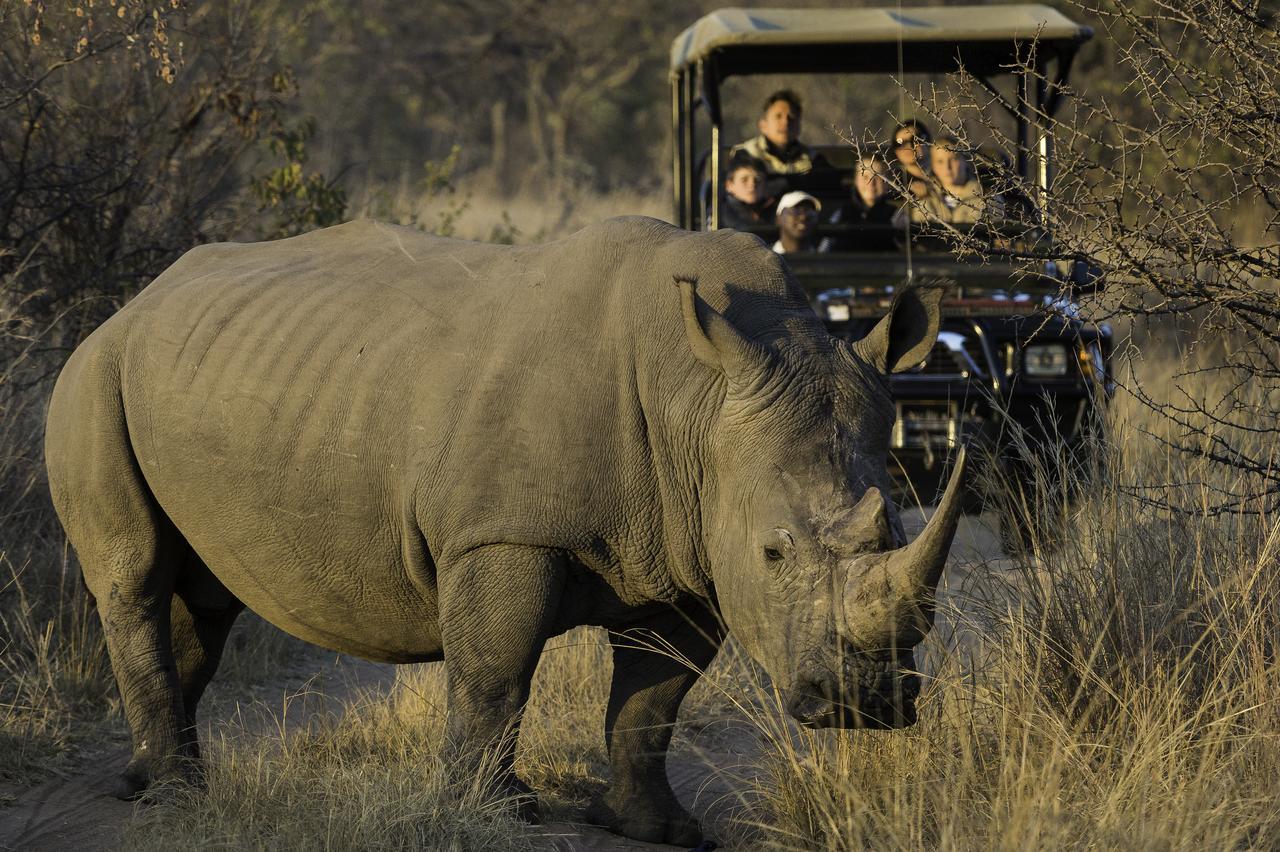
(877, 695)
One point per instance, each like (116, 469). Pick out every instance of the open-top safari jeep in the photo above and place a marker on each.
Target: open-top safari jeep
(1012, 349)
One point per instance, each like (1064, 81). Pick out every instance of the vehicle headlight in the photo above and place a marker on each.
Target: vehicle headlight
(1045, 360)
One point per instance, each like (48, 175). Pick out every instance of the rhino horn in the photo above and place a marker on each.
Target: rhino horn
(888, 597)
(917, 567)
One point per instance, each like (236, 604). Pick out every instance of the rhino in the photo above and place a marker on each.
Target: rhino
(410, 448)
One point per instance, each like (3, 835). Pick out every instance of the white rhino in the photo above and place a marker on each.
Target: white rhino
(411, 448)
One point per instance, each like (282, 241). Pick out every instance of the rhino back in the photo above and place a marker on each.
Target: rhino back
(329, 418)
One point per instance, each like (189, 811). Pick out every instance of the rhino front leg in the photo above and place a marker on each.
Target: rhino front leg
(497, 608)
(654, 665)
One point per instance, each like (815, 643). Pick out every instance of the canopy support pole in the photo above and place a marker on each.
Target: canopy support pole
(677, 150)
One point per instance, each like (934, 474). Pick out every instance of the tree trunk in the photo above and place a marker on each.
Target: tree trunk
(498, 141)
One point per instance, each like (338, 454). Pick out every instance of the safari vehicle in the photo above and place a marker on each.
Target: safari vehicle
(1011, 348)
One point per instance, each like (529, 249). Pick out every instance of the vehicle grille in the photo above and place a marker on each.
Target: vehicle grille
(929, 424)
(941, 362)
(945, 361)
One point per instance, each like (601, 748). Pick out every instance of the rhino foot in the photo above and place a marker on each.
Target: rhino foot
(141, 777)
(527, 809)
(131, 784)
(642, 818)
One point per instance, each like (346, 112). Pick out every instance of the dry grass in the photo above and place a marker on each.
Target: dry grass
(368, 779)
(372, 778)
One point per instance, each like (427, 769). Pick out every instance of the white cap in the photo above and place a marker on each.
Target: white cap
(791, 199)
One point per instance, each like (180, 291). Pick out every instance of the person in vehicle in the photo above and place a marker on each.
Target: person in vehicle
(797, 217)
(955, 197)
(744, 200)
(871, 205)
(778, 146)
(911, 143)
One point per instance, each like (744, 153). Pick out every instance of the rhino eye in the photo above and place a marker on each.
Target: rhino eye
(778, 545)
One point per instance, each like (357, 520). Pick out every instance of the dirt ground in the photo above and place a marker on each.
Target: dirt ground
(710, 775)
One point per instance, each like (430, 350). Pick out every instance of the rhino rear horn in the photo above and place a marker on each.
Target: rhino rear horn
(714, 340)
(906, 334)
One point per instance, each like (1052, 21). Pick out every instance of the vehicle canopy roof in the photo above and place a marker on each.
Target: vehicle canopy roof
(933, 39)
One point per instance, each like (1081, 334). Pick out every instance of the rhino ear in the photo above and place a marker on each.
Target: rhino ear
(714, 340)
(904, 337)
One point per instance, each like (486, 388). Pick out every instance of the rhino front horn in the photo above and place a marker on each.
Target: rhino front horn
(888, 597)
(915, 569)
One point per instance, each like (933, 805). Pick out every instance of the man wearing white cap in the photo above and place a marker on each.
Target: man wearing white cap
(797, 215)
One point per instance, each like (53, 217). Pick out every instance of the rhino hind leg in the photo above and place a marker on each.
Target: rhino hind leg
(498, 605)
(201, 615)
(130, 554)
(133, 590)
(654, 666)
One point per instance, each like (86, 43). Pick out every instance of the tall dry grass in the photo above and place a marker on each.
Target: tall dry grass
(370, 778)
(475, 208)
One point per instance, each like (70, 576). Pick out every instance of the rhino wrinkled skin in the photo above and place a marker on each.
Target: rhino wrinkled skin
(410, 448)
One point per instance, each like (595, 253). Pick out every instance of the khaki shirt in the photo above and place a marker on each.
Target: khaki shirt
(965, 206)
(760, 149)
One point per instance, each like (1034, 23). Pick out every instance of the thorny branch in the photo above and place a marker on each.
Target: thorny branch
(1169, 182)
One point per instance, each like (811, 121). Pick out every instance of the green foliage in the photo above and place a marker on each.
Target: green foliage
(299, 199)
(437, 184)
(504, 232)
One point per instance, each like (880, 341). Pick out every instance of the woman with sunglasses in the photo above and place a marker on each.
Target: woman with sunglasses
(911, 140)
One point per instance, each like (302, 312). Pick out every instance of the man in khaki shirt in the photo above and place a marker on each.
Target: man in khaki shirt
(778, 146)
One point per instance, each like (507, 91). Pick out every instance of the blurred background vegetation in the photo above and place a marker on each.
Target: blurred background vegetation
(133, 129)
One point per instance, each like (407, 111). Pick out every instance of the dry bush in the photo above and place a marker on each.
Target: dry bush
(1163, 173)
(122, 147)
